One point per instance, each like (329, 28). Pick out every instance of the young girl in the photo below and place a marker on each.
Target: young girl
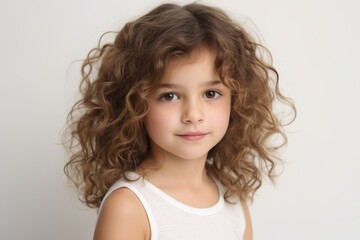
(171, 136)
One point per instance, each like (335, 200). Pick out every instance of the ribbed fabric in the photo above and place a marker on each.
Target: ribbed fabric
(172, 220)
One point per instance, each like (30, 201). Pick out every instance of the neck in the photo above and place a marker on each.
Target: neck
(175, 170)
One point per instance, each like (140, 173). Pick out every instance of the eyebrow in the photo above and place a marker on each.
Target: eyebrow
(172, 85)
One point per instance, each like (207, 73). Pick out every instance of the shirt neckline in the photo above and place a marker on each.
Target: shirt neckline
(184, 207)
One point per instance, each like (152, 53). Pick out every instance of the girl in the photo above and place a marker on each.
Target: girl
(170, 138)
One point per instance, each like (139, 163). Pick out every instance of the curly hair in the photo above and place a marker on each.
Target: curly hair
(107, 134)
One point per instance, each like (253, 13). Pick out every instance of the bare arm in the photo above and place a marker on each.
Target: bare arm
(122, 217)
(248, 235)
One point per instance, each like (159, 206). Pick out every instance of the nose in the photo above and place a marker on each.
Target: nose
(193, 112)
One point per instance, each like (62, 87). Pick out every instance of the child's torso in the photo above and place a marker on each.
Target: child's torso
(171, 219)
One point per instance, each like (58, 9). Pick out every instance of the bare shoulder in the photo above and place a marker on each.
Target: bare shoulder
(248, 235)
(122, 217)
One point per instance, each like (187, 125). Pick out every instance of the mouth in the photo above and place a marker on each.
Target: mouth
(192, 136)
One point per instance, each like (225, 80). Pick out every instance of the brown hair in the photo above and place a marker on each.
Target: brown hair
(108, 137)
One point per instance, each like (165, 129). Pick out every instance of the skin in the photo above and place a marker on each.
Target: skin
(188, 115)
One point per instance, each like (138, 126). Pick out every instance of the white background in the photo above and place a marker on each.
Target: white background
(315, 45)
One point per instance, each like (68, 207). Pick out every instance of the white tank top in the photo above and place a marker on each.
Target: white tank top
(171, 219)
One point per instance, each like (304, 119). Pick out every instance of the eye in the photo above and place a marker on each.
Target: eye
(211, 94)
(169, 97)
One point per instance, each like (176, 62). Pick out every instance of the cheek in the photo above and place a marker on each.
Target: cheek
(158, 120)
(221, 116)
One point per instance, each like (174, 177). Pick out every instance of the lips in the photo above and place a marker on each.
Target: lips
(192, 136)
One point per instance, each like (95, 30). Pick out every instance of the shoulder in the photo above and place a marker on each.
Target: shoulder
(122, 216)
(248, 235)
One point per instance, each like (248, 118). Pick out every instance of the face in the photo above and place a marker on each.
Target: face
(189, 113)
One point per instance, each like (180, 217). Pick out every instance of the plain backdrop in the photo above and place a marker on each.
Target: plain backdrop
(315, 45)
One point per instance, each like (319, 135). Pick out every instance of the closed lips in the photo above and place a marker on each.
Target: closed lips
(193, 135)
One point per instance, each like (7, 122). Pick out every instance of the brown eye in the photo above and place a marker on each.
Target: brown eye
(169, 97)
(211, 94)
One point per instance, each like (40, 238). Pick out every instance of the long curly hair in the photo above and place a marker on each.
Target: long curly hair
(107, 136)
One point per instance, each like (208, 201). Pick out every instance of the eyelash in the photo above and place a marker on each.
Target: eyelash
(172, 95)
(163, 96)
(217, 94)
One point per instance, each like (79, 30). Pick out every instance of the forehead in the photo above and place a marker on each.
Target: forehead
(199, 65)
